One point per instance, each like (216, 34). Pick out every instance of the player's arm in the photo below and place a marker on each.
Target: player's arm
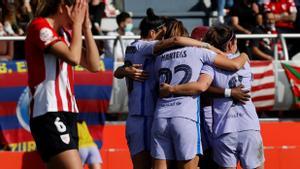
(90, 58)
(236, 93)
(221, 61)
(181, 41)
(135, 72)
(72, 54)
(188, 89)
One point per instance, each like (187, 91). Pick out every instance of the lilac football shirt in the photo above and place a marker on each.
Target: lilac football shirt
(228, 115)
(142, 96)
(181, 66)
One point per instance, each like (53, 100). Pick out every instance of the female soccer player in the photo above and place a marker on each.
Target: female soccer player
(235, 126)
(53, 45)
(143, 93)
(176, 130)
(236, 130)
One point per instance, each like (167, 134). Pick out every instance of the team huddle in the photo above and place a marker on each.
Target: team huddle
(187, 97)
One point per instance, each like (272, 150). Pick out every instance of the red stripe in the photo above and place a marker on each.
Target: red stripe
(291, 75)
(266, 108)
(260, 63)
(82, 78)
(8, 108)
(58, 96)
(69, 100)
(96, 131)
(14, 79)
(263, 98)
(93, 105)
(264, 74)
(68, 94)
(71, 78)
(264, 86)
(103, 78)
(15, 135)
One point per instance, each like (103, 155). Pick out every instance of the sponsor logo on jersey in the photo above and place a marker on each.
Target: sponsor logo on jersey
(171, 104)
(46, 34)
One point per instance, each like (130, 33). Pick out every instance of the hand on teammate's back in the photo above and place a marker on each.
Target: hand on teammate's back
(136, 73)
(164, 90)
(246, 56)
(240, 95)
(77, 12)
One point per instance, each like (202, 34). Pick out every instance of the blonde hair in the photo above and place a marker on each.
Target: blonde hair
(176, 28)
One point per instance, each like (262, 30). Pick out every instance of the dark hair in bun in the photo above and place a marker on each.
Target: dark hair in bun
(151, 21)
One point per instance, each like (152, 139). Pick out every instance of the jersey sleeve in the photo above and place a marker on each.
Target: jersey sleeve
(208, 56)
(43, 35)
(209, 70)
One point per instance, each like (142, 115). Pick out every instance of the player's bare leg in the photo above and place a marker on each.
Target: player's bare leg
(163, 164)
(190, 164)
(69, 159)
(260, 167)
(142, 160)
(95, 166)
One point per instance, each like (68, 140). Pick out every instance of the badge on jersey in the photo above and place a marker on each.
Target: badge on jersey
(65, 138)
(46, 35)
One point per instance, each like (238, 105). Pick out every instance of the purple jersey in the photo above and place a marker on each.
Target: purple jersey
(176, 67)
(142, 96)
(228, 115)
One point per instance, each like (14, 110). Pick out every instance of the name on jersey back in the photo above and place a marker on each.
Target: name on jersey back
(174, 55)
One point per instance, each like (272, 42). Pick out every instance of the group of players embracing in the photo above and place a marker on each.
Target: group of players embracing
(189, 99)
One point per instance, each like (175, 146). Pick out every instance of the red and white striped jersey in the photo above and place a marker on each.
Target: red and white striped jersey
(50, 79)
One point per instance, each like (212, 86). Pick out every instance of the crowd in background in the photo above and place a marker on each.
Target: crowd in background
(246, 16)
(263, 17)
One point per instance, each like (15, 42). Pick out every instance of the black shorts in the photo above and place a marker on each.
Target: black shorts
(54, 132)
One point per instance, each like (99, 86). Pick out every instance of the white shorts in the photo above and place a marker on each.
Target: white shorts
(138, 133)
(175, 139)
(244, 146)
(90, 155)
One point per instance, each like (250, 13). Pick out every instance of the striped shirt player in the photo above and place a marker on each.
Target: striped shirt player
(50, 79)
(176, 126)
(53, 109)
(235, 126)
(142, 97)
